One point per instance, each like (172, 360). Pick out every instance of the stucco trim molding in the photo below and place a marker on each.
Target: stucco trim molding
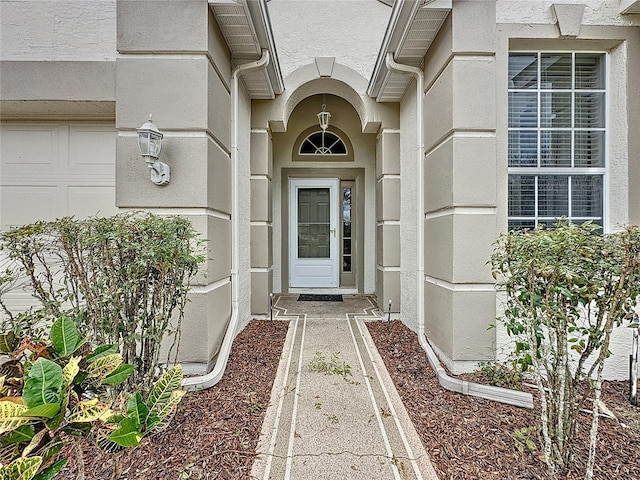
(568, 18)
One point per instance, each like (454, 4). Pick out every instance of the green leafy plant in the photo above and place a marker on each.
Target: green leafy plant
(124, 279)
(58, 388)
(143, 417)
(499, 374)
(66, 391)
(567, 288)
(333, 366)
(523, 440)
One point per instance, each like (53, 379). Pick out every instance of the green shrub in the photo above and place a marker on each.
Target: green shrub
(567, 288)
(124, 279)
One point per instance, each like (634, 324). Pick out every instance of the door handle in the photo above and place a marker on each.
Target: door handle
(333, 230)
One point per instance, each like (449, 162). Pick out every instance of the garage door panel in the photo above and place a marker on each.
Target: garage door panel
(87, 201)
(30, 149)
(91, 149)
(27, 204)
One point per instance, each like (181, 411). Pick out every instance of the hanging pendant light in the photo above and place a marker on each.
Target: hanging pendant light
(324, 116)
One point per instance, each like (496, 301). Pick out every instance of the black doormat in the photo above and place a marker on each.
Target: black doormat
(308, 297)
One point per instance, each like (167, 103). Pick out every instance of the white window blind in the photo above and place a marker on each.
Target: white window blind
(557, 135)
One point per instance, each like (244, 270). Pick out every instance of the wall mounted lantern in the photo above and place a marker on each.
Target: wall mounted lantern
(150, 143)
(324, 116)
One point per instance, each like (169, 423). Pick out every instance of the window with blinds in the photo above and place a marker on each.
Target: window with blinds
(557, 135)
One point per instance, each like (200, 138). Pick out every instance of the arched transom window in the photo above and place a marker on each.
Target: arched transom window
(323, 143)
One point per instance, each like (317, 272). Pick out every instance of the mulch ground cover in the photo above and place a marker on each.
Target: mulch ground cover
(215, 432)
(472, 438)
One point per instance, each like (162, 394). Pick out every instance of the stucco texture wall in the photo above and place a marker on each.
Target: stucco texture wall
(408, 210)
(597, 12)
(320, 27)
(77, 30)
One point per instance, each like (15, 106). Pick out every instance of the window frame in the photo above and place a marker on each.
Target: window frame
(328, 152)
(566, 171)
(296, 156)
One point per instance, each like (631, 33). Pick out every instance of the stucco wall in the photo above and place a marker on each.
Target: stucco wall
(320, 27)
(408, 209)
(76, 30)
(597, 12)
(244, 213)
(460, 187)
(191, 103)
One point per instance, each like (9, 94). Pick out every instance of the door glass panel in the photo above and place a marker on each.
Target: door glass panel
(346, 229)
(314, 223)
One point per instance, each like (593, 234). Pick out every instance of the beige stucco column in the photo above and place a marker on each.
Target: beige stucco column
(261, 220)
(388, 218)
(175, 66)
(460, 183)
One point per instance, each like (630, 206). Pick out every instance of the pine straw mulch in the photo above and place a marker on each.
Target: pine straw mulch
(215, 432)
(470, 438)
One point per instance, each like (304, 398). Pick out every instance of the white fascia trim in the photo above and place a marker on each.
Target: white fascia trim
(629, 6)
(401, 15)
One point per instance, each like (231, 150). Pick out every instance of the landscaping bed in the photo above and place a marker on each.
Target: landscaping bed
(215, 432)
(472, 438)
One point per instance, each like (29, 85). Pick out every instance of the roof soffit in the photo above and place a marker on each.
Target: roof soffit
(246, 28)
(629, 6)
(412, 28)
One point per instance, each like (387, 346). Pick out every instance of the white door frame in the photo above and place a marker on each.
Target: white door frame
(314, 272)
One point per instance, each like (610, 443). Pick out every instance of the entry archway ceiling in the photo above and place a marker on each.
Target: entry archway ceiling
(343, 82)
(324, 85)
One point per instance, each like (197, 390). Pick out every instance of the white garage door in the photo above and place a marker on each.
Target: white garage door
(52, 170)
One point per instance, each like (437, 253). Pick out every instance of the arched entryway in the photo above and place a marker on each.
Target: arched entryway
(322, 220)
(324, 201)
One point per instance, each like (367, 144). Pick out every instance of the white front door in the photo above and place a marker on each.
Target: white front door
(313, 232)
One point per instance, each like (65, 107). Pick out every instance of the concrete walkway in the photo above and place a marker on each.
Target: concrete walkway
(348, 423)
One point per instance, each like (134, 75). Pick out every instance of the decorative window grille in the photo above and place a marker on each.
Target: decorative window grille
(557, 138)
(323, 143)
